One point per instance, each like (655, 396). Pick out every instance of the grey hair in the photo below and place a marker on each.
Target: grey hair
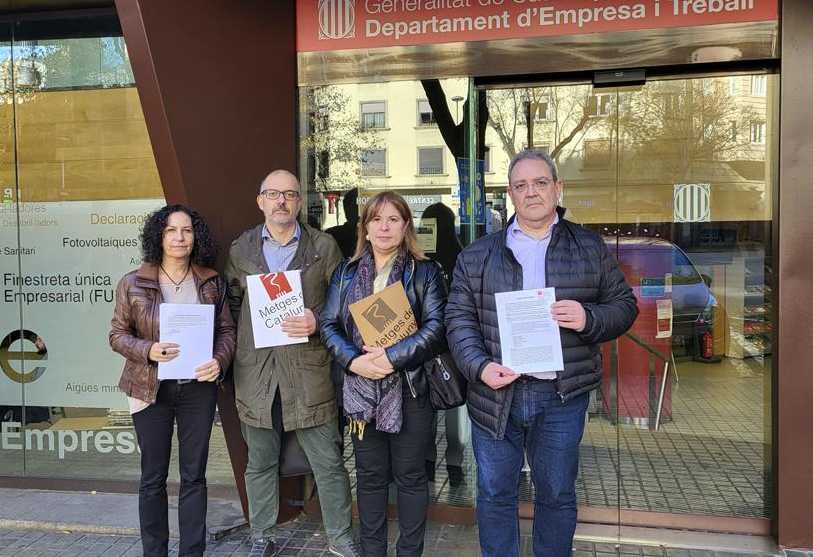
(281, 172)
(535, 155)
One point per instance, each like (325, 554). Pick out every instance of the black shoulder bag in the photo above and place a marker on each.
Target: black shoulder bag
(447, 386)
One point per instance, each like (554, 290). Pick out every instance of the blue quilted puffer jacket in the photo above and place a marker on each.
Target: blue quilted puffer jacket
(580, 267)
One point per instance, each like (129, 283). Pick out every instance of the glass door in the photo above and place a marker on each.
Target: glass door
(676, 175)
(693, 160)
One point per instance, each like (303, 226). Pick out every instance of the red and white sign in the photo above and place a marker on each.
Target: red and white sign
(276, 284)
(273, 298)
(350, 24)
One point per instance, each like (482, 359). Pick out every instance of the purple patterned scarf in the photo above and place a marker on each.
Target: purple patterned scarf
(368, 400)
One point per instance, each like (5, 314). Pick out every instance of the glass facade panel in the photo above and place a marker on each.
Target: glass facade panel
(81, 63)
(76, 187)
(709, 198)
(685, 203)
(12, 346)
(569, 123)
(683, 200)
(416, 162)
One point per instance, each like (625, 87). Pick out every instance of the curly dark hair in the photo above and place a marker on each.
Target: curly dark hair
(204, 251)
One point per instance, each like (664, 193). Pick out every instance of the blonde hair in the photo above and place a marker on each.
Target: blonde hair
(372, 208)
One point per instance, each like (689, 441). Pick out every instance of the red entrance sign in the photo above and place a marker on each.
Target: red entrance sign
(352, 24)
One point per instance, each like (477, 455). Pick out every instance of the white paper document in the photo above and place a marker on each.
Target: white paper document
(192, 327)
(529, 337)
(273, 298)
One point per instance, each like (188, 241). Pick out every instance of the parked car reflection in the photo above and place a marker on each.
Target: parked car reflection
(655, 268)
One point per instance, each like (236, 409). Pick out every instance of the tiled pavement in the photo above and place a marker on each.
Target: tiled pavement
(710, 458)
(305, 538)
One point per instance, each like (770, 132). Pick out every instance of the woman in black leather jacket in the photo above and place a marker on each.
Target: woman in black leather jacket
(384, 390)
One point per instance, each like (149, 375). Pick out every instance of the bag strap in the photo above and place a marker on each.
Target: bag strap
(221, 296)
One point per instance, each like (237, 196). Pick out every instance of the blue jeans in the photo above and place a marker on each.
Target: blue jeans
(550, 432)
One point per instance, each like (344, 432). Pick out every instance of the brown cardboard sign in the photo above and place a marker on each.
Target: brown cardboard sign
(384, 318)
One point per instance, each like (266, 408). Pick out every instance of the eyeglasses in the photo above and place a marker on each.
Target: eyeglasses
(274, 194)
(525, 187)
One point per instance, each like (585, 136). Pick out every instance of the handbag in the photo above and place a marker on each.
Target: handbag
(447, 386)
(292, 458)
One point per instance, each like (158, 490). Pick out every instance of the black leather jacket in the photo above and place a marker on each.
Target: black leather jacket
(580, 267)
(426, 292)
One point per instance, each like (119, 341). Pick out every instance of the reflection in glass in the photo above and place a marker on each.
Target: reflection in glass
(374, 162)
(86, 180)
(12, 370)
(373, 114)
(430, 160)
(425, 115)
(346, 234)
(387, 136)
(676, 175)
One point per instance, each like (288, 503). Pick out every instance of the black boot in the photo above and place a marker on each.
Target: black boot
(455, 475)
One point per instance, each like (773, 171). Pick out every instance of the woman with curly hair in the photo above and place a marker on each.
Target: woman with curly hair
(177, 252)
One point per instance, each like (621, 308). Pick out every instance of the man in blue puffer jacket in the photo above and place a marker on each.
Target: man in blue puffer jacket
(542, 414)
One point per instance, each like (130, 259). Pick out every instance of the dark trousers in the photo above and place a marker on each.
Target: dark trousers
(192, 407)
(403, 455)
(549, 431)
(455, 447)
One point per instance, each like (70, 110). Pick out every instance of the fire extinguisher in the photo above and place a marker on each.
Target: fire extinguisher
(707, 346)
(706, 352)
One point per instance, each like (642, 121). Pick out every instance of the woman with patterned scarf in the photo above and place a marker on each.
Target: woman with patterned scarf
(385, 393)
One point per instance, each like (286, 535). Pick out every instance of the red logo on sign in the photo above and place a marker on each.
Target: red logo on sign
(276, 284)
